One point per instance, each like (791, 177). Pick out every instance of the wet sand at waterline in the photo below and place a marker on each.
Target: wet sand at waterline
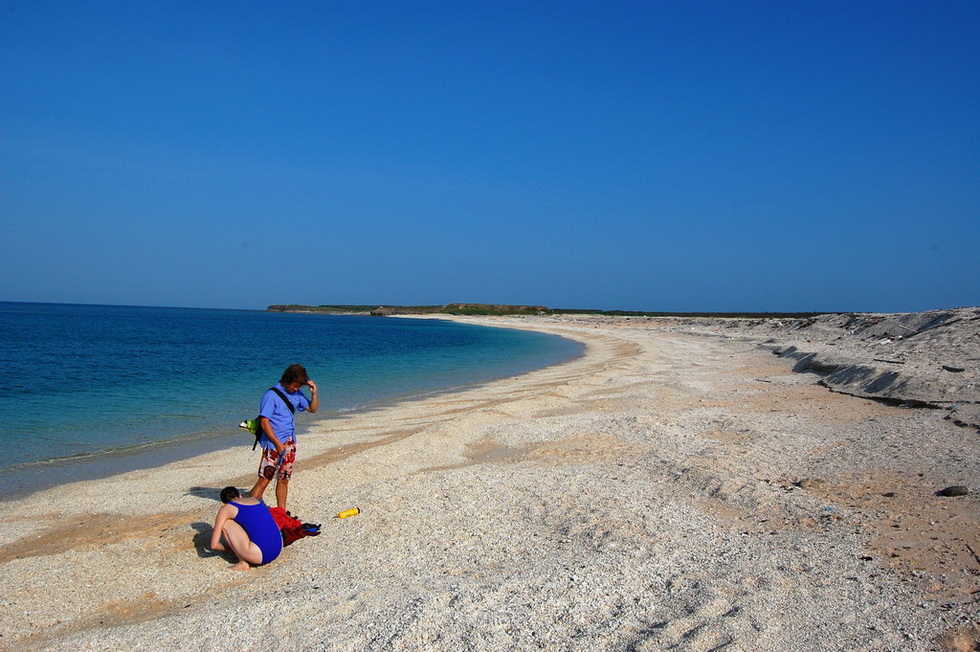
(680, 486)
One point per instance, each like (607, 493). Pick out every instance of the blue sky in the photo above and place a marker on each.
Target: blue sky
(696, 156)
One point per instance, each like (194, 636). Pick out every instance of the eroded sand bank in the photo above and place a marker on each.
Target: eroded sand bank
(678, 487)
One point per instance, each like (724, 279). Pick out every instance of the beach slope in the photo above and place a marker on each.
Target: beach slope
(679, 486)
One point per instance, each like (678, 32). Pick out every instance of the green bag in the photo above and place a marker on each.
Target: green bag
(254, 426)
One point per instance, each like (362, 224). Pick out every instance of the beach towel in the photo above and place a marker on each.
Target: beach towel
(291, 527)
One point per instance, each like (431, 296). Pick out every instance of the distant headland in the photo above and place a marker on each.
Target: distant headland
(497, 309)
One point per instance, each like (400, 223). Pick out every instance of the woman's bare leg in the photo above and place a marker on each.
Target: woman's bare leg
(246, 551)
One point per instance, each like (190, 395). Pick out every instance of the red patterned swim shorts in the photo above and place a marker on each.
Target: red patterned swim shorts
(269, 464)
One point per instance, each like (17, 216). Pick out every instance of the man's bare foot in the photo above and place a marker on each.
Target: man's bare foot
(240, 566)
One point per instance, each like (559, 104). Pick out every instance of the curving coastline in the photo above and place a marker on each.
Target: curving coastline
(678, 486)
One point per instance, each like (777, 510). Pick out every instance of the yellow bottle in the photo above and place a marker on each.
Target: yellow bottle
(354, 511)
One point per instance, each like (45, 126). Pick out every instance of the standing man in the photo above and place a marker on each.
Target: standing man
(279, 430)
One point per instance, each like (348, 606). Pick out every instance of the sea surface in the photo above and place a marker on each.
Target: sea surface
(90, 390)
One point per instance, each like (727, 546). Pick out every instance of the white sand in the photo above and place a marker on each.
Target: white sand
(676, 488)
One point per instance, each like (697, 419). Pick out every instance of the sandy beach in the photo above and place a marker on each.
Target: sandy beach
(686, 484)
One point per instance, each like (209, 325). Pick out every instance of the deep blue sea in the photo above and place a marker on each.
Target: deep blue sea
(79, 382)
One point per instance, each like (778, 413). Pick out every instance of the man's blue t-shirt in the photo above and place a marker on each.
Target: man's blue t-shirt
(279, 416)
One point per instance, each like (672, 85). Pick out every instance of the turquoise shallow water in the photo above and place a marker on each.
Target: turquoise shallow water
(82, 381)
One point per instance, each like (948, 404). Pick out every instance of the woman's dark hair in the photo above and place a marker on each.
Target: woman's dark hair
(295, 373)
(229, 493)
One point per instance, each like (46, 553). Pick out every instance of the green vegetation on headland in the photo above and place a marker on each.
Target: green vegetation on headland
(493, 309)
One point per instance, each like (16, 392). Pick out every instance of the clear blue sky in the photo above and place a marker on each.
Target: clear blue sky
(683, 156)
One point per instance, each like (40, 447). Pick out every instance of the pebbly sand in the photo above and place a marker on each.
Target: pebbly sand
(678, 487)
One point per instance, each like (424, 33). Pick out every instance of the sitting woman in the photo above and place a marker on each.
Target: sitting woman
(248, 529)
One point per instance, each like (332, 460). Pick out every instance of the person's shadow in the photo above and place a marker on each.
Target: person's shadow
(202, 541)
(214, 493)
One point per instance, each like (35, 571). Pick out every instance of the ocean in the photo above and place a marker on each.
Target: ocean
(89, 390)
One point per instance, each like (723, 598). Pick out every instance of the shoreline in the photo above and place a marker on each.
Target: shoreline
(22, 481)
(667, 488)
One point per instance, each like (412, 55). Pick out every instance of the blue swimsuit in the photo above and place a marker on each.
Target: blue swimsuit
(261, 528)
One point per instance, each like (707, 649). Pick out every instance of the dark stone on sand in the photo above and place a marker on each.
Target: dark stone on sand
(811, 483)
(954, 490)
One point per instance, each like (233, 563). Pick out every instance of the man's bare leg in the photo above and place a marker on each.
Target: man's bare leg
(282, 490)
(259, 488)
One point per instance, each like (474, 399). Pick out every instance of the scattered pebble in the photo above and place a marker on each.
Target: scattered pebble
(954, 490)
